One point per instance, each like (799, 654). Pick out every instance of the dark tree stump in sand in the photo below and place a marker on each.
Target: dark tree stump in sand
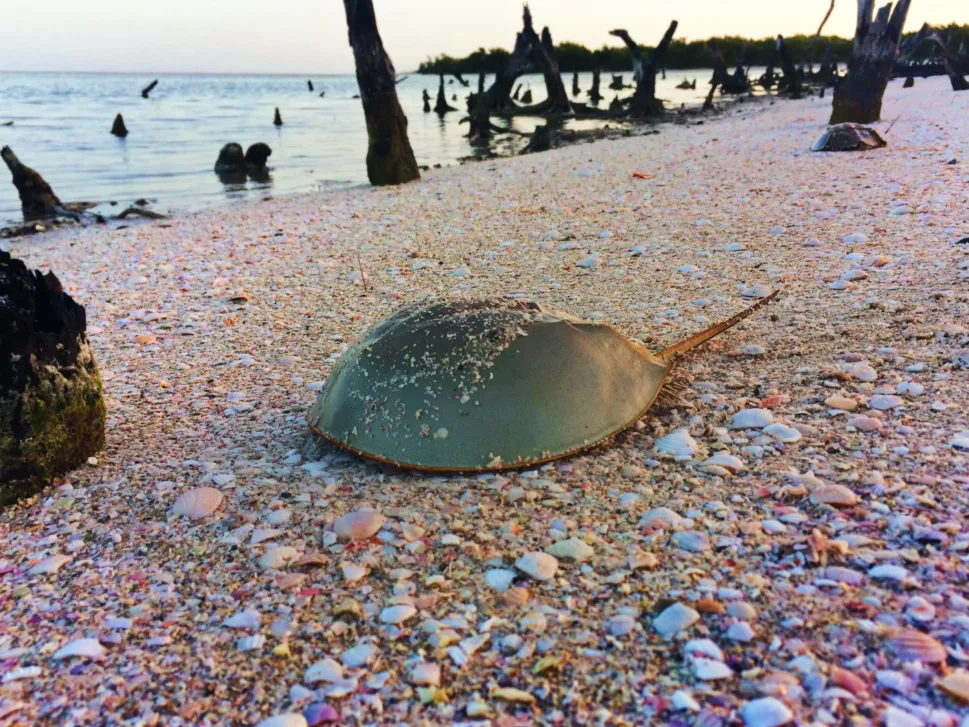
(390, 158)
(441, 106)
(575, 84)
(541, 140)
(616, 84)
(644, 101)
(37, 199)
(909, 82)
(427, 102)
(277, 119)
(858, 97)
(481, 82)
(515, 95)
(118, 128)
(148, 89)
(543, 50)
(951, 61)
(527, 96)
(594, 95)
(792, 79)
(51, 408)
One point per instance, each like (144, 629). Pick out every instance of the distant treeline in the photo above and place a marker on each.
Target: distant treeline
(681, 54)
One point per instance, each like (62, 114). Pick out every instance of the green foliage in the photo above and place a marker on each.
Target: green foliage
(681, 54)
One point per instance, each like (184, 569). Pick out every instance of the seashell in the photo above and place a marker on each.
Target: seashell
(397, 614)
(841, 403)
(661, 516)
(591, 261)
(703, 648)
(248, 619)
(710, 669)
(856, 237)
(863, 372)
(538, 565)
(287, 581)
(278, 517)
(277, 557)
(290, 719)
(742, 610)
(692, 541)
(844, 575)
(766, 712)
(327, 670)
(86, 648)
(894, 680)
(358, 656)
(674, 619)
(919, 609)
(782, 432)
(724, 461)
(912, 645)
(960, 441)
(319, 712)
(198, 503)
(517, 596)
(250, 643)
(884, 402)
(621, 625)
(739, 631)
(848, 680)
(260, 535)
(865, 424)
(535, 622)
(682, 701)
(839, 284)
(756, 291)
(411, 532)
(708, 605)
(752, 419)
(687, 269)
(912, 388)
(571, 549)
(889, 572)
(49, 565)
(735, 247)
(956, 685)
(639, 559)
(515, 696)
(678, 443)
(311, 560)
(341, 688)
(24, 672)
(835, 495)
(895, 717)
(358, 525)
(500, 578)
(426, 674)
(352, 572)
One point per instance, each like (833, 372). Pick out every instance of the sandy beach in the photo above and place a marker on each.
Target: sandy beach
(742, 590)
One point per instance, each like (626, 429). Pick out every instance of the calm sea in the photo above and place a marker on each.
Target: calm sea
(62, 121)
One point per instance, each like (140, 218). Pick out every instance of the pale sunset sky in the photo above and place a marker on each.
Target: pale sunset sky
(309, 36)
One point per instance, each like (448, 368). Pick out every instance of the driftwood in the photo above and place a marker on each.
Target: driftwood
(118, 128)
(441, 107)
(37, 199)
(792, 79)
(398, 81)
(951, 62)
(277, 119)
(138, 212)
(51, 408)
(644, 101)
(390, 158)
(817, 36)
(148, 89)
(461, 80)
(858, 97)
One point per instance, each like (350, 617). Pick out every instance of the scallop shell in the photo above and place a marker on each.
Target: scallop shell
(327, 670)
(517, 596)
(198, 503)
(358, 525)
(540, 566)
(911, 645)
(835, 495)
(956, 685)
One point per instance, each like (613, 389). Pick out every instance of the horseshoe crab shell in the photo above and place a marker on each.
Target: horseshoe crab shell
(488, 385)
(848, 137)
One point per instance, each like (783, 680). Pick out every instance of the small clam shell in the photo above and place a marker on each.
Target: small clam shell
(752, 419)
(835, 495)
(278, 557)
(311, 560)
(198, 503)
(510, 694)
(49, 565)
(911, 645)
(397, 614)
(766, 712)
(678, 443)
(327, 670)
(517, 596)
(723, 461)
(571, 549)
(538, 565)
(956, 685)
(848, 680)
(426, 674)
(841, 403)
(358, 525)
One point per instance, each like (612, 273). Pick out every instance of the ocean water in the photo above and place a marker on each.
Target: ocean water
(62, 122)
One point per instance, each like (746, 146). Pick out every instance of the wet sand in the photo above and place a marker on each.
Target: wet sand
(801, 596)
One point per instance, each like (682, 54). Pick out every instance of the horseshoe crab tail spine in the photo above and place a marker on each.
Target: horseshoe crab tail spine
(703, 336)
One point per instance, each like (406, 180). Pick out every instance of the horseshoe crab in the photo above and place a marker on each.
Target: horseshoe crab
(489, 385)
(848, 137)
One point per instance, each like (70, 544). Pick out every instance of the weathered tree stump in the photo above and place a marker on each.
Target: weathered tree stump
(594, 95)
(575, 84)
(37, 199)
(256, 156)
(149, 88)
(792, 79)
(909, 82)
(541, 140)
(51, 408)
(277, 119)
(310, 84)
(231, 164)
(481, 82)
(527, 96)
(118, 128)
(858, 97)
(441, 106)
(390, 158)
(644, 101)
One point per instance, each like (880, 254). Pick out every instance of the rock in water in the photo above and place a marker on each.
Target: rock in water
(37, 199)
(118, 128)
(51, 408)
(231, 164)
(256, 156)
(277, 119)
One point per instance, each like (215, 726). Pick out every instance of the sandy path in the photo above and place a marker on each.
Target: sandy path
(798, 601)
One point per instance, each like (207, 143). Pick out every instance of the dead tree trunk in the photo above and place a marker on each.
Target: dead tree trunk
(575, 84)
(310, 84)
(769, 78)
(37, 199)
(51, 407)
(816, 38)
(792, 79)
(950, 62)
(644, 101)
(481, 82)
(828, 71)
(594, 96)
(461, 80)
(390, 158)
(858, 97)
(543, 51)
(118, 128)
(148, 89)
(277, 119)
(441, 107)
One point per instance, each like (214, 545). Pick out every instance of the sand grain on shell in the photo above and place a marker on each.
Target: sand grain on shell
(209, 388)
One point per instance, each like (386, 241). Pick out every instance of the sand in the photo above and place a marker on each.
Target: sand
(824, 598)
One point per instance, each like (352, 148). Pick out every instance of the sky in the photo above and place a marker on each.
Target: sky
(309, 36)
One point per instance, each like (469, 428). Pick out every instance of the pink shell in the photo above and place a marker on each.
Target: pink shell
(198, 503)
(835, 495)
(912, 645)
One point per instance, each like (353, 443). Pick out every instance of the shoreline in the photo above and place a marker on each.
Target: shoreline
(797, 556)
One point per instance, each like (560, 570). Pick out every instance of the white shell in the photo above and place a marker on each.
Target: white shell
(752, 419)
(739, 631)
(710, 669)
(703, 648)
(863, 372)
(674, 619)
(865, 424)
(279, 557)
(766, 712)
(500, 578)
(836, 495)
(621, 625)
(87, 648)
(352, 572)
(24, 672)
(250, 643)
(782, 432)
(571, 549)
(397, 614)
(49, 565)
(724, 461)
(678, 443)
(692, 541)
(883, 402)
(426, 674)
(260, 535)
(328, 670)
(359, 655)
(248, 619)
(540, 566)
(358, 525)
(662, 515)
(290, 719)
(198, 503)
